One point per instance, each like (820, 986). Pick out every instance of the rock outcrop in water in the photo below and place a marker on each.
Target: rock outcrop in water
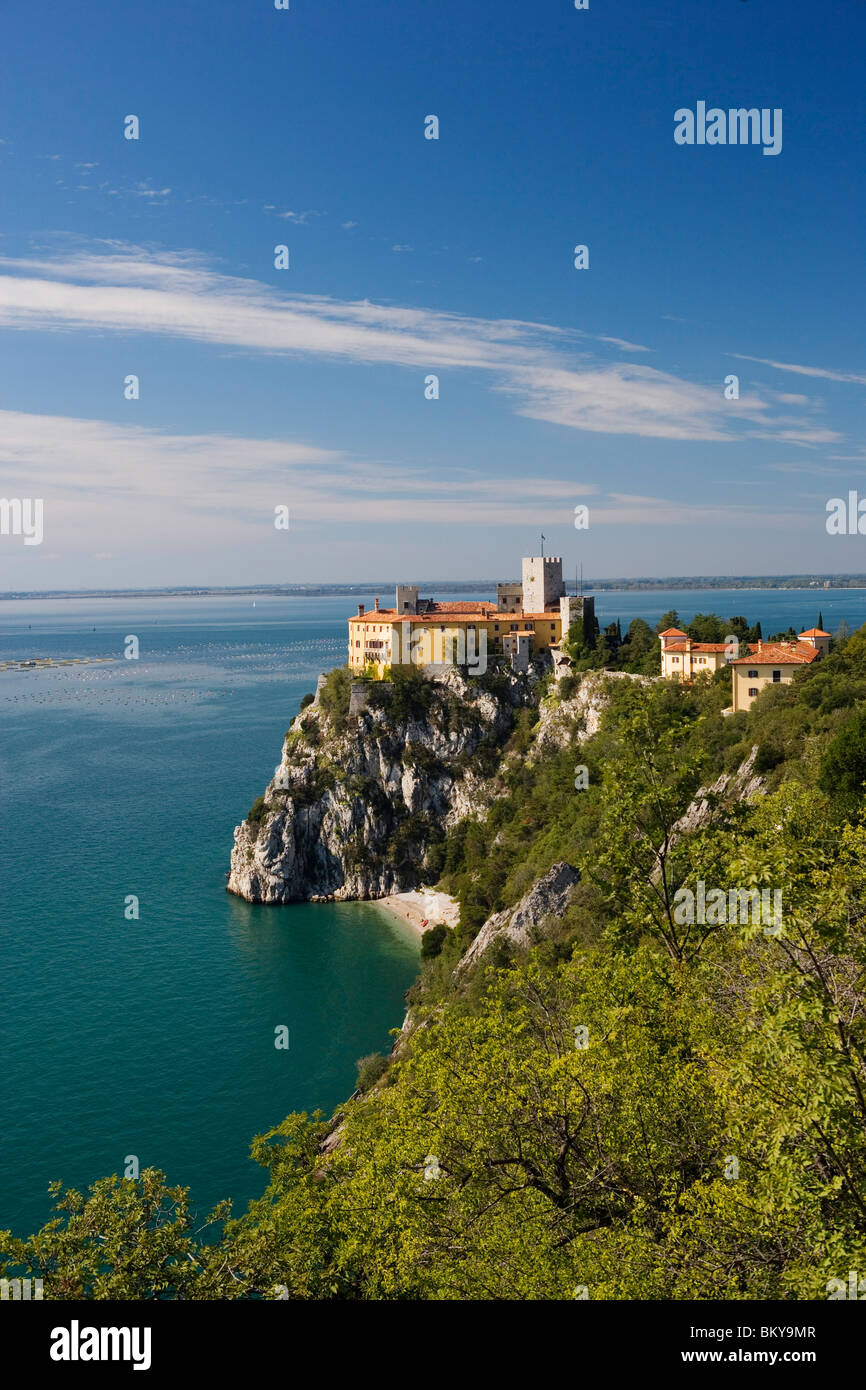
(370, 776)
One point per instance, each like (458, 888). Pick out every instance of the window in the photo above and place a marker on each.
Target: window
(675, 660)
(513, 627)
(753, 675)
(753, 690)
(553, 627)
(777, 676)
(495, 627)
(702, 661)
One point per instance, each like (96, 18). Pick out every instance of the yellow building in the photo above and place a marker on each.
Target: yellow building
(774, 663)
(684, 659)
(529, 618)
(446, 633)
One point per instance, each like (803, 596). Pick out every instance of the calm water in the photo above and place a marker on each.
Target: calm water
(775, 609)
(155, 1037)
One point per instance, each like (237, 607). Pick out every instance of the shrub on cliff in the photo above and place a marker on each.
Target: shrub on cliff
(409, 694)
(334, 696)
(433, 940)
(370, 1068)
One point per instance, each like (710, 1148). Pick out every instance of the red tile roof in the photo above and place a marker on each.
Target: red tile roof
(457, 612)
(780, 654)
(697, 647)
(462, 606)
(814, 632)
(672, 632)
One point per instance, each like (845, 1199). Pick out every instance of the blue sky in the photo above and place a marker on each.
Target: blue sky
(305, 387)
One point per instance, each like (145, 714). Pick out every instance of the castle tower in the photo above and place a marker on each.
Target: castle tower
(578, 608)
(406, 598)
(542, 583)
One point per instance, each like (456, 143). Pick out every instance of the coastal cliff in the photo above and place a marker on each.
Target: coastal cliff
(371, 776)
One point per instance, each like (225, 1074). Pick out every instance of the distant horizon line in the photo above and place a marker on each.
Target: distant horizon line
(346, 589)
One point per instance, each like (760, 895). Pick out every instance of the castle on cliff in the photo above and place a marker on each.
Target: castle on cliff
(530, 616)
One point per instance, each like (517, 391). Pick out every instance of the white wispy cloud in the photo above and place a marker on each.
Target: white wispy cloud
(629, 509)
(95, 474)
(811, 469)
(825, 373)
(551, 374)
(620, 399)
(151, 493)
(299, 217)
(144, 190)
(622, 343)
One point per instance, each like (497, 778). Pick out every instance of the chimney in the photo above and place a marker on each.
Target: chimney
(360, 610)
(376, 601)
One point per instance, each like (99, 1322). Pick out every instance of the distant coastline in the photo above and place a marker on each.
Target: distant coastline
(812, 582)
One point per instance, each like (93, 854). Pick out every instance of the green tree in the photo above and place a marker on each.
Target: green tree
(127, 1239)
(843, 766)
(707, 627)
(644, 859)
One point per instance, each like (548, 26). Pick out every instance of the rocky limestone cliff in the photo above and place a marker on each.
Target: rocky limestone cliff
(562, 722)
(522, 926)
(363, 792)
(709, 802)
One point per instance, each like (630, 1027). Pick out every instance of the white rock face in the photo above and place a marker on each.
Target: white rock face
(353, 814)
(524, 924)
(731, 786)
(578, 718)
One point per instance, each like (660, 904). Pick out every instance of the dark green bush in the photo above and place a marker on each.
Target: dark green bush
(370, 1069)
(335, 694)
(433, 940)
(768, 756)
(843, 766)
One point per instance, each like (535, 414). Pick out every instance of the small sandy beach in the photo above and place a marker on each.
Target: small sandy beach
(422, 908)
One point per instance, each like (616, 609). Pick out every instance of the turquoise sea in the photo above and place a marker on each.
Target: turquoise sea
(155, 1037)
